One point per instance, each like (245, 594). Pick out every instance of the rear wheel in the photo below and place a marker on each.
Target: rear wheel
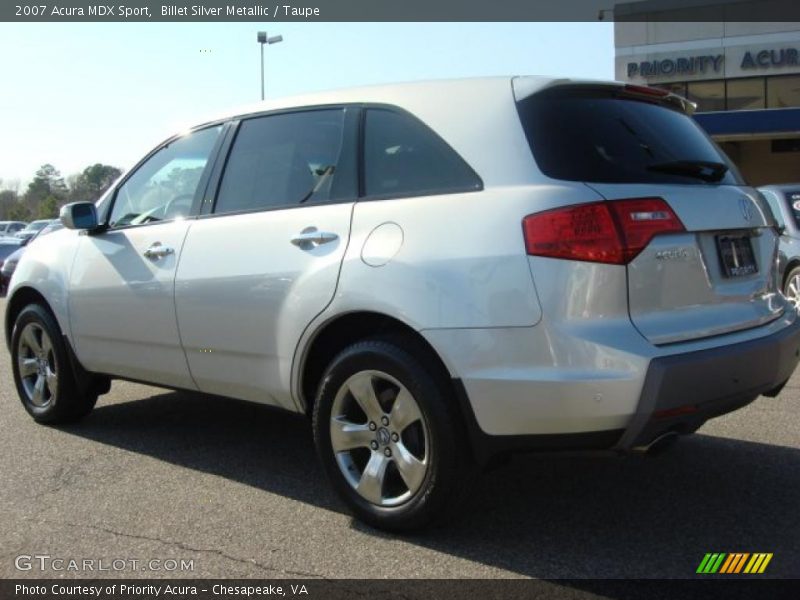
(791, 288)
(45, 380)
(388, 437)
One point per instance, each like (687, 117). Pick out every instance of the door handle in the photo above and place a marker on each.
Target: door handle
(310, 238)
(157, 251)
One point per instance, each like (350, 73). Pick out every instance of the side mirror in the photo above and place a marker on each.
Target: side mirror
(79, 215)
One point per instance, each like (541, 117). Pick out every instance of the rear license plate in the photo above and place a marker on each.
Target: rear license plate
(736, 255)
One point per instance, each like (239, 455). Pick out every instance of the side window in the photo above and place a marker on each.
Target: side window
(163, 188)
(774, 205)
(283, 160)
(15, 227)
(403, 157)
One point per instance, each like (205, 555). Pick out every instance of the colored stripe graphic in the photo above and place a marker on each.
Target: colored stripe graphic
(753, 564)
(765, 563)
(722, 563)
(758, 563)
(727, 564)
(740, 564)
(730, 564)
(711, 563)
(703, 563)
(717, 563)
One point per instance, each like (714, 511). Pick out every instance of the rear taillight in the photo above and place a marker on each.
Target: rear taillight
(608, 232)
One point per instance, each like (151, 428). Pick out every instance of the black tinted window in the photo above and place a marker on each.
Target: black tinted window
(402, 157)
(592, 135)
(283, 160)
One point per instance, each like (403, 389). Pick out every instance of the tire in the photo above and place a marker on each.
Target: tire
(43, 373)
(397, 457)
(791, 286)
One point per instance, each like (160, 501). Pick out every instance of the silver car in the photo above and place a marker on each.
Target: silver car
(10, 228)
(435, 273)
(784, 202)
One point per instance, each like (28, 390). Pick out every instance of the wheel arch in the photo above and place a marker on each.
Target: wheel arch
(334, 335)
(22, 297)
(792, 264)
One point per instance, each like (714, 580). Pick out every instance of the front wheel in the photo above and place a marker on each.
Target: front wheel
(45, 380)
(388, 436)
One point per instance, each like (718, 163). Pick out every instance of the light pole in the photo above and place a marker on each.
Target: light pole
(263, 39)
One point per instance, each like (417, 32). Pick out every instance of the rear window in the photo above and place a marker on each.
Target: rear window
(594, 135)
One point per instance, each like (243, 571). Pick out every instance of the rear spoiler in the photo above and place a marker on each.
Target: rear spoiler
(526, 86)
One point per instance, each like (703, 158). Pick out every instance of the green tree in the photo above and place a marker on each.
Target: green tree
(48, 208)
(19, 211)
(92, 182)
(46, 183)
(8, 198)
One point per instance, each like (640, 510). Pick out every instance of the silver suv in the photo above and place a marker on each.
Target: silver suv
(435, 273)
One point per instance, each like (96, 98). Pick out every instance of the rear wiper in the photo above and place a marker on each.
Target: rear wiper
(700, 169)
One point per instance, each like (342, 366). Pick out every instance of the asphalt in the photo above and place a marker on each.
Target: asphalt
(236, 488)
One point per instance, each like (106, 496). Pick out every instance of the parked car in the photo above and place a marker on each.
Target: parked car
(33, 228)
(8, 266)
(435, 273)
(784, 202)
(7, 248)
(10, 228)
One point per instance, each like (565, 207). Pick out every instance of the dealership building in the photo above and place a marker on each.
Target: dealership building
(744, 78)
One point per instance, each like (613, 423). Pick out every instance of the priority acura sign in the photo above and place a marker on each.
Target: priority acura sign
(713, 63)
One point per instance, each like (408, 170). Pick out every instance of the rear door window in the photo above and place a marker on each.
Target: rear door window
(285, 160)
(403, 157)
(596, 135)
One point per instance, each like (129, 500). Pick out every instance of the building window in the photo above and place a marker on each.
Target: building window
(745, 94)
(783, 92)
(709, 95)
(785, 145)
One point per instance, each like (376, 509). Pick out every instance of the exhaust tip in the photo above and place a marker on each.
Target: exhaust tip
(658, 445)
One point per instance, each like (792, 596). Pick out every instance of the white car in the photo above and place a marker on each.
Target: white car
(435, 273)
(10, 228)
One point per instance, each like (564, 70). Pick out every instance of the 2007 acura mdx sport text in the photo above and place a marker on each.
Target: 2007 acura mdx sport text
(436, 273)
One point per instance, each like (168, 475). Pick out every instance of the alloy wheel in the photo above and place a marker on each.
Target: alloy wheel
(38, 370)
(792, 291)
(380, 438)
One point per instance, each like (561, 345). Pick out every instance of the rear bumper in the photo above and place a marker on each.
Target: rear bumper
(673, 393)
(683, 391)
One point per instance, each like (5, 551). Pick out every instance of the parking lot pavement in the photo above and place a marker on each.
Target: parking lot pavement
(236, 488)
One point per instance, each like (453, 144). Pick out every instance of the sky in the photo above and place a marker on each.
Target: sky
(76, 94)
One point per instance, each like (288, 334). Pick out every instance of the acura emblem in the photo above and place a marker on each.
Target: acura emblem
(383, 436)
(747, 208)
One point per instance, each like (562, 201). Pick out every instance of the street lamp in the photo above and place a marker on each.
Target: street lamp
(263, 39)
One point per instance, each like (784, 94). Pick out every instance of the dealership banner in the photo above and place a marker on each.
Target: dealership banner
(396, 589)
(399, 10)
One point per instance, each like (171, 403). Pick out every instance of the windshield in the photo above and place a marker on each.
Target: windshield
(596, 135)
(37, 225)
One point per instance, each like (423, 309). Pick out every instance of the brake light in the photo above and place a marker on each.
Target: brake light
(612, 232)
(644, 90)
